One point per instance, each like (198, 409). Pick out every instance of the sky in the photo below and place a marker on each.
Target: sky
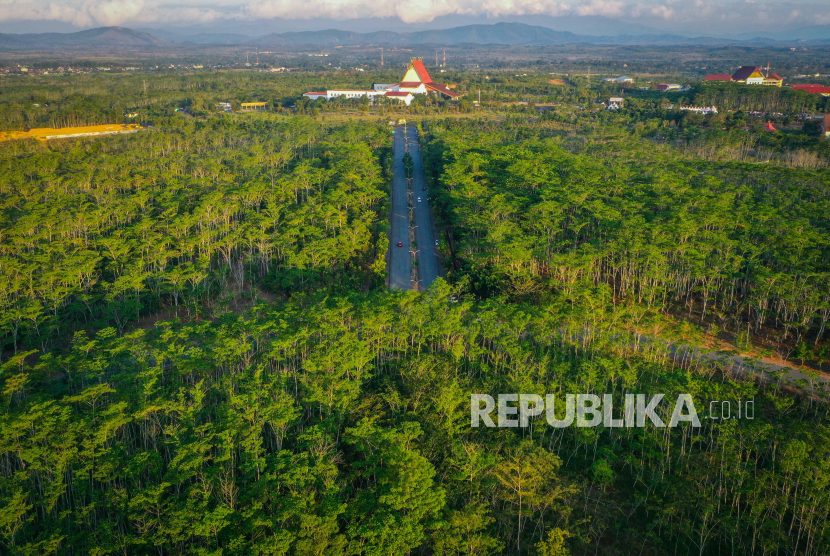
(686, 17)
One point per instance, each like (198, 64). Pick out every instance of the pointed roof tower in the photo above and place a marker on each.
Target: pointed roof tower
(417, 73)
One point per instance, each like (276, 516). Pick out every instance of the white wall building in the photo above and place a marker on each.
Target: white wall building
(416, 81)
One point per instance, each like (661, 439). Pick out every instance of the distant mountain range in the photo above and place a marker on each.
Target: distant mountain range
(499, 33)
(103, 36)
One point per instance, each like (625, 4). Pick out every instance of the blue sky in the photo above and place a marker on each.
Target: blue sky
(711, 17)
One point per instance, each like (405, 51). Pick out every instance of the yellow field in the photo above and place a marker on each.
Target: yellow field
(46, 133)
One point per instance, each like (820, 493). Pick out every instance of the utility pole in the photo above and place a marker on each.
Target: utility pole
(381, 56)
(436, 57)
(257, 56)
(445, 58)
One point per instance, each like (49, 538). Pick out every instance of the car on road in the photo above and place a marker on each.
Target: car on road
(419, 199)
(400, 244)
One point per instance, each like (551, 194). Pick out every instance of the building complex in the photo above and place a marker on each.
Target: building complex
(416, 81)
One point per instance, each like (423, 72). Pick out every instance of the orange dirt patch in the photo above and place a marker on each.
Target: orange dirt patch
(556, 81)
(46, 133)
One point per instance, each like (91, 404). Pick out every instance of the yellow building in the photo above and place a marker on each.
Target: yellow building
(254, 106)
(752, 75)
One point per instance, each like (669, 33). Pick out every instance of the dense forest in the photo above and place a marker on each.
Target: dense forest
(199, 355)
(537, 209)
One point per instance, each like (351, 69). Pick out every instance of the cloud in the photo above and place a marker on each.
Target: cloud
(679, 15)
(408, 12)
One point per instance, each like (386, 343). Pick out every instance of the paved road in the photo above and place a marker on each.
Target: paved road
(429, 267)
(400, 266)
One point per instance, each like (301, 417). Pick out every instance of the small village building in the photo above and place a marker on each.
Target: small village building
(615, 103)
(718, 77)
(226, 106)
(700, 109)
(770, 127)
(254, 106)
(825, 126)
(668, 87)
(620, 79)
(315, 95)
(773, 80)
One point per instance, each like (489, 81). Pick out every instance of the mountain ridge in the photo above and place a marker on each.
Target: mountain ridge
(504, 33)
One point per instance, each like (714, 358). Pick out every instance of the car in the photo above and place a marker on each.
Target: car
(419, 199)
(400, 244)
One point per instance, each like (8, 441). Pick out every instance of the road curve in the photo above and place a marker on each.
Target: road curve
(400, 265)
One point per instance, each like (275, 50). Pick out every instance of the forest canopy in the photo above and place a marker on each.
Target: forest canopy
(199, 353)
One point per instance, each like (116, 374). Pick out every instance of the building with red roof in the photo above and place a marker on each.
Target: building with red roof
(813, 89)
(416, 81)
(752, 75)
(825, 126)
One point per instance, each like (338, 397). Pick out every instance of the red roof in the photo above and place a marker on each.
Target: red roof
(770, 127)
(441, 89)
(410, 84)
(813, 88)
(422, 71)
(718, 77)
(397, 94)
(775, 76)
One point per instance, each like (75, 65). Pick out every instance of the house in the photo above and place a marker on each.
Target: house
(773, 80)
(615, 103)
(225, 106)
(825, 126)
(621, 79)
(700, 109)
(254, 106)
(750, 75)
(770, 127)
(416, 81)
(668, 87)
(718, 77)
(813, 89)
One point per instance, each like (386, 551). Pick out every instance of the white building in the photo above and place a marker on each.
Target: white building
(621, 79)
(700, 109)
(416, 81)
